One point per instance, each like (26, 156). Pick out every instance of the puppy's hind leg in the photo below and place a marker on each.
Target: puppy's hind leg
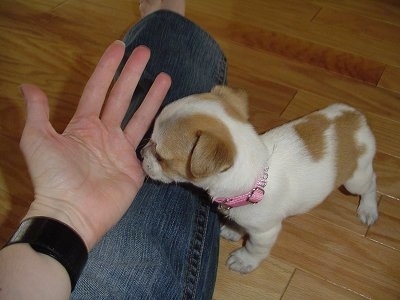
(363, 183)
(257, 248)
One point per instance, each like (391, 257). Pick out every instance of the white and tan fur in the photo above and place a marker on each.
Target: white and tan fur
(206, 140)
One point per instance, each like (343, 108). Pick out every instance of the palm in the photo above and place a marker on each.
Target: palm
(90, 173)
(88, 163)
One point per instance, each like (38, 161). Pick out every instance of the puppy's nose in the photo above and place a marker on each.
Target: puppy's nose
(149, 146)
(142, 152)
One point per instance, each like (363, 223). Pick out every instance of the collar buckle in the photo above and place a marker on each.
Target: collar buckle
(252, 197)
(255, 195)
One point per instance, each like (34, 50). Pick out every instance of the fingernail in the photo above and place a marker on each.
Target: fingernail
(120, 42)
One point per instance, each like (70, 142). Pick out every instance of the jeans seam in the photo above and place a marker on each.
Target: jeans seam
(222, 70)
(195, 253)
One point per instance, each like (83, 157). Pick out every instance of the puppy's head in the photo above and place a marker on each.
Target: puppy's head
(192, 137)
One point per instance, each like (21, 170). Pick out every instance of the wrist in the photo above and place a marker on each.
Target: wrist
(64, 212)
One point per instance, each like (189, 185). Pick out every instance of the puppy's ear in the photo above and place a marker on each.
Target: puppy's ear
(236, 99)
(210, 155)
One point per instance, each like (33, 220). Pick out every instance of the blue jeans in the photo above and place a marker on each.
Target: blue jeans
(166, 245)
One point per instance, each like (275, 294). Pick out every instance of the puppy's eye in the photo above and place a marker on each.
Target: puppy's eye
(158, 157)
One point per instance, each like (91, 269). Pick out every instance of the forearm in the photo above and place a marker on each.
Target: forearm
(27, 274)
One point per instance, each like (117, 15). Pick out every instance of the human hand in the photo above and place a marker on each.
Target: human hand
(88, 176)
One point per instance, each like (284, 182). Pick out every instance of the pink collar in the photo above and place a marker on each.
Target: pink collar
(252, 197)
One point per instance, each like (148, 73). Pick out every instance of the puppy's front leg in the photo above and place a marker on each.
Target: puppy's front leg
(258, 247)
(232, 231)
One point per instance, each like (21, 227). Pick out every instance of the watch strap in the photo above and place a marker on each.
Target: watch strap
(56, 239)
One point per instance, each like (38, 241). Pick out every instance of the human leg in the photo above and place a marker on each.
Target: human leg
(166, 245)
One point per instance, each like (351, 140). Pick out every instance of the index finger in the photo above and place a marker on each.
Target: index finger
(96, 89)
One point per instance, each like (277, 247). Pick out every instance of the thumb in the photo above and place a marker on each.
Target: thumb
(37, 123)
(37, 109)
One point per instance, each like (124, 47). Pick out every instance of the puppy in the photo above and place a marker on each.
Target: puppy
(259, 180)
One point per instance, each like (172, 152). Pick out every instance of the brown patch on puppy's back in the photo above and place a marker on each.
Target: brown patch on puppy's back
(348, 151)
(312, 133)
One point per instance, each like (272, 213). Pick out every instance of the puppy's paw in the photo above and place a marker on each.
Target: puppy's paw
(230, 234)
(241, 261)
(368, 212)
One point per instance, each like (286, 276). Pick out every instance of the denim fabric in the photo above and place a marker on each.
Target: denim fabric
(166, 245)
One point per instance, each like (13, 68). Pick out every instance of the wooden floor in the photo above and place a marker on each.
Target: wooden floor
(292, 57)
